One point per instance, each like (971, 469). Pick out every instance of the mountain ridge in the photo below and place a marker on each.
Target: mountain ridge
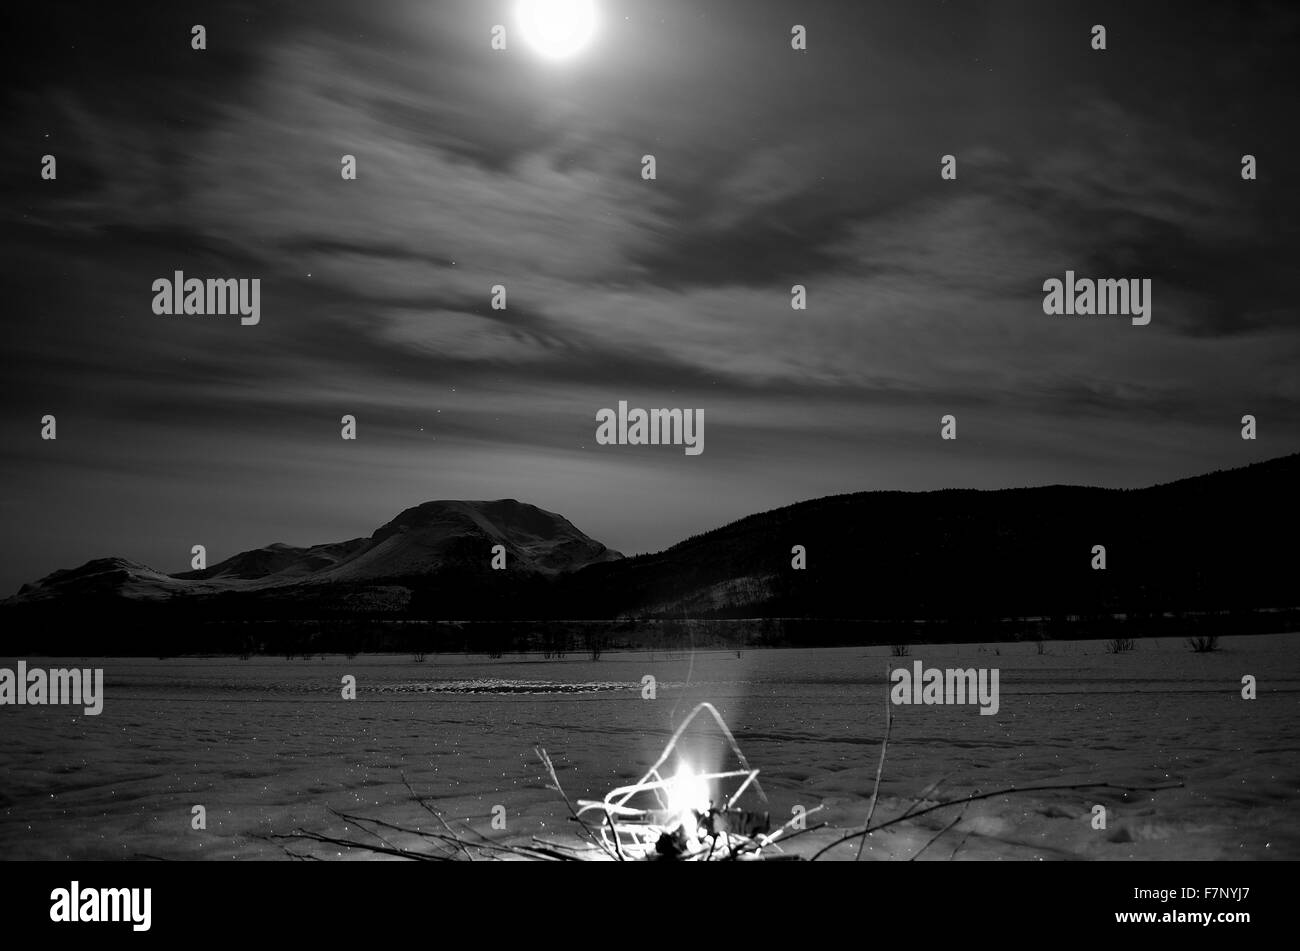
(1207, 542)
(422, 539)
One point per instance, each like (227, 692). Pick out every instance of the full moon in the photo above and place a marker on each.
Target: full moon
(557, 28)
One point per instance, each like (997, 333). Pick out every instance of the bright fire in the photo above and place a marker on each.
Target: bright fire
(688, 794)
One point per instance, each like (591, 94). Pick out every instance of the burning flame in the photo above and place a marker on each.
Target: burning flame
(688, 794)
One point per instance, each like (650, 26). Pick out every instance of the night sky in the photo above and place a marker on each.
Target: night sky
(775, 167)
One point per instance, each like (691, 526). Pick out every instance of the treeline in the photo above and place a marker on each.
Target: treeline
(584, 639)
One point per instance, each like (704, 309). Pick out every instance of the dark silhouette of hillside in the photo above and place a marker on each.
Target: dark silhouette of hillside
(1214, 545)
(1221, 541)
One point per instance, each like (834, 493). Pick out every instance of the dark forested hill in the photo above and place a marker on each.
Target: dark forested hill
(1218, 542)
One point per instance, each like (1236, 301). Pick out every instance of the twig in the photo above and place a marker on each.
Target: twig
(361, 820)
(925, 793)
(768, 838)
(936, 836)
(550, 768)
(433, 812)
(958, 849)
(1009, 791)
(353, 844)
(880, 769)
(613, 831)
(560, 845)
(755, 846)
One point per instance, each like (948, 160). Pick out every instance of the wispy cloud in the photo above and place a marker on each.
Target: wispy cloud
(475, 169)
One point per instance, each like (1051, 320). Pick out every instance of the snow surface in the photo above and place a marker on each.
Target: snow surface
(268, 745)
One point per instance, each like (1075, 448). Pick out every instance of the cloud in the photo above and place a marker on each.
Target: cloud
(776, 168)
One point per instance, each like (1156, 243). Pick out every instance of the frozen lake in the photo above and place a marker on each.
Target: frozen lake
(269, 745)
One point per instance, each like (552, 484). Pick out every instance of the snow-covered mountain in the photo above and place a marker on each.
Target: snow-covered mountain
(420, 542)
